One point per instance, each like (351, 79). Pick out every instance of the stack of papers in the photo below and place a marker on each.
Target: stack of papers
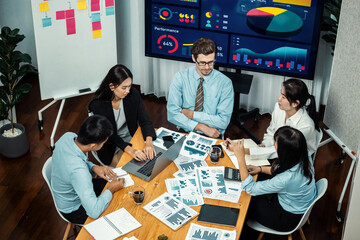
(113, 225)
(170, 211)
(248, 143)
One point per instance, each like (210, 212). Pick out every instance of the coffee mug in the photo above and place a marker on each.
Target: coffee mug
(138, 194)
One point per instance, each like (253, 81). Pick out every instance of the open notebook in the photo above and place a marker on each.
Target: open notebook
(113, 225)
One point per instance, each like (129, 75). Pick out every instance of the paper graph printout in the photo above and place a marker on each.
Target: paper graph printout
(185, 190)
(187, 165)
(161, 132)
(196, 146)
(170, 211)
(213, 185)
(180, 174)
(248, 143)
(197, 232)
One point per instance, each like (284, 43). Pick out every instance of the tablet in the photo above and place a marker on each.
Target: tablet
(219, 215)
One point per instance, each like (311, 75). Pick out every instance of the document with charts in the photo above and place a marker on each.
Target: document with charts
(198, 232)
(187, 165)
(170, 211)
(196, 146)
(213, 185)
(185, 190)
(248, 143)
(161, 132)
(113, 225)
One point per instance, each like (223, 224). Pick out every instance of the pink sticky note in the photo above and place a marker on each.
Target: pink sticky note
(109, 3)
(70, 13)
(96, 25)
(70, 26)
(95, 5)
(60, 15)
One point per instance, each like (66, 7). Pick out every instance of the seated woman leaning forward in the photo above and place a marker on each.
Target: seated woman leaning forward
(122, 105)
(280, 202)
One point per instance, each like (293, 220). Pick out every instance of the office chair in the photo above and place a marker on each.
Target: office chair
(46, 172)
(319, 135)
(321, 187)
(242, 84)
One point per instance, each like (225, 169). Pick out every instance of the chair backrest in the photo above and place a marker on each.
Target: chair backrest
(321, 186)
(46, 172)
(319, 135)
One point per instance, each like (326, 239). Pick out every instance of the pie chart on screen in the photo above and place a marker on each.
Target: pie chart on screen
(274, 22)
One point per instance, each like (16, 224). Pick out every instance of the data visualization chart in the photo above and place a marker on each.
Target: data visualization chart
(274, 22)
(198, 232)
(306, 3)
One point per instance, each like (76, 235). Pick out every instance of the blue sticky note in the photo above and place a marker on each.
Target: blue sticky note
(46, 22)
(110, 10)
(95, 17)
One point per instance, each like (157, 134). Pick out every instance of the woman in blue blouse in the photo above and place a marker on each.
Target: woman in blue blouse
(280, 202)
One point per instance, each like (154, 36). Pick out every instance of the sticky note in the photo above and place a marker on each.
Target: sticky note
(70, 13)
(110, 11)
(81, 5)
(96, 26)
(109, 3)
(97, 34)
(60, 15)
(46, 22)
(95, 5)
(95, 17)
(44, 6)
(70, 26)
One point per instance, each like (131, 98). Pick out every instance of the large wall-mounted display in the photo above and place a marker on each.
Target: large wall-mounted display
(272, 36)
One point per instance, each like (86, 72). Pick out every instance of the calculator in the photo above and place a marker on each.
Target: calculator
(232, 174)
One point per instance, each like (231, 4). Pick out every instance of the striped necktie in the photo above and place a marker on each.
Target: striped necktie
(199, 97)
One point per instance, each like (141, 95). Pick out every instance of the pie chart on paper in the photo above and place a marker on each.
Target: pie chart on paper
(274, 22)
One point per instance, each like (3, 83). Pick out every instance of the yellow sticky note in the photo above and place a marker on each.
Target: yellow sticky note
(44, 6)
(97, 34)
(81, 5)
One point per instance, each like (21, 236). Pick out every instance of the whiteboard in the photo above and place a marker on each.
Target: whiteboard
(70, 62)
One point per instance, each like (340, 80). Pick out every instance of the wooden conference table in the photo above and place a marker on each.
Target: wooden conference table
(151, 226)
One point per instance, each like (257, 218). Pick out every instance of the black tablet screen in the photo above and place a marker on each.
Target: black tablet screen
(219, 215)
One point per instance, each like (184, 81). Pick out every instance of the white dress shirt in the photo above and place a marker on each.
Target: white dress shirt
(300, 121)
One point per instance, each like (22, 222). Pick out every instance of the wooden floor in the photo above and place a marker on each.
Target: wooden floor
(26, 207)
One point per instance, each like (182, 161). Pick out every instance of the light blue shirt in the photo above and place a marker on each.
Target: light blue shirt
(294, 193)
(71, 179)
(218, 100)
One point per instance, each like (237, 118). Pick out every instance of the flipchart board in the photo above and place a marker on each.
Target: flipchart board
(75, 44)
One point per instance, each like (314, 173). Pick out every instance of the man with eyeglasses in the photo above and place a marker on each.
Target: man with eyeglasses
(201, 98)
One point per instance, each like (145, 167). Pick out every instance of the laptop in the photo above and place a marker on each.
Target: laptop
(149, 169)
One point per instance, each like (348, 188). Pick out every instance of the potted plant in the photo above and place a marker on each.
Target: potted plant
(13, 66)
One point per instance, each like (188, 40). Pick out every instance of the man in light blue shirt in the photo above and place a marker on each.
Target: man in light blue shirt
(217, 99)
(76, 193)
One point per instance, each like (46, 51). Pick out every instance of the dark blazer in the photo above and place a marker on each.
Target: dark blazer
(135, 114)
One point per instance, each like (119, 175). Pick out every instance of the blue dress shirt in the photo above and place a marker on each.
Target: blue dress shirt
(218, 100)
(294, 193)
(71, 179)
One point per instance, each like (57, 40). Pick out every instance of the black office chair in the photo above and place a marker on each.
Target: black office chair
(242, 84)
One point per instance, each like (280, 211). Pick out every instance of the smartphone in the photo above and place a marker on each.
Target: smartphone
(222, 152)
(168, 141)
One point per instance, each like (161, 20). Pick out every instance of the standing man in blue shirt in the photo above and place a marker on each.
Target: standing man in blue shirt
(76, 192)
(201, 98)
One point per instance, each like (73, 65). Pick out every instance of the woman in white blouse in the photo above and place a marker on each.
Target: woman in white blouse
(295, 108)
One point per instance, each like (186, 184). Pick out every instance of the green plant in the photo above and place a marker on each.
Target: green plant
(162, 237)
(13, 66)
(330, 21)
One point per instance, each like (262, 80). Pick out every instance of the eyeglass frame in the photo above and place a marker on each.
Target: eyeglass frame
(203, 64)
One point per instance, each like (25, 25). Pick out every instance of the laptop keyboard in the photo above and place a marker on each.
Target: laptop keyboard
(148, 166)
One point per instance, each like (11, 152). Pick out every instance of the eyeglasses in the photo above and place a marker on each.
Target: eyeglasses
(203, 64)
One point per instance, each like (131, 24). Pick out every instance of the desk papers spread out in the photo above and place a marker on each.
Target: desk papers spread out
(196, 146)
(161, 132)
(170, 211)
(213, 185)
(122, 174)
(187, 165)
(248, 143)
(113, 225)
(197, 232)
(185, 190)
